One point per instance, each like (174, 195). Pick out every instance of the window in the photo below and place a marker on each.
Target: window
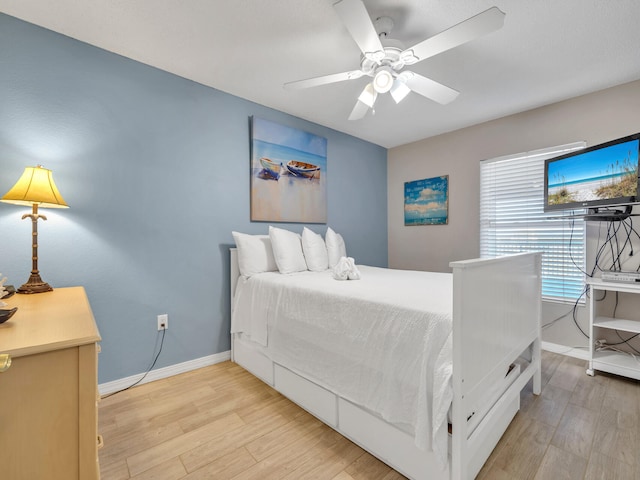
(512, 220)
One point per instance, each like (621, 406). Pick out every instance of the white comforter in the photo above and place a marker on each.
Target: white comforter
(382, 342)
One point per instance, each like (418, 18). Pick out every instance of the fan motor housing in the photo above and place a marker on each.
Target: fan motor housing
(392, 51)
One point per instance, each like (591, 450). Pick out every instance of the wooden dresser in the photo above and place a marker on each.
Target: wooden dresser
(48, 397)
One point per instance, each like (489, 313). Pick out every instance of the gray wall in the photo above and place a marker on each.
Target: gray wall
(155, 169)
(594, 118)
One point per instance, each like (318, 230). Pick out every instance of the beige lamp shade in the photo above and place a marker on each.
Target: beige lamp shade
(35, 186)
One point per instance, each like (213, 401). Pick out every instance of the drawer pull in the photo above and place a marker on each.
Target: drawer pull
(100, 442)
(5, 362)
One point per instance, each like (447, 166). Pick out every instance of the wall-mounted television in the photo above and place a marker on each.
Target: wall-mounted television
(604, 175)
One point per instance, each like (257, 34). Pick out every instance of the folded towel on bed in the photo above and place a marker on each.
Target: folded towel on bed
(346, 269)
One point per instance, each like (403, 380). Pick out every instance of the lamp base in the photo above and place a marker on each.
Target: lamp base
(34, 285)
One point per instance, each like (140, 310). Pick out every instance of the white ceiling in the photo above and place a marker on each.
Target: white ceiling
(547, 51)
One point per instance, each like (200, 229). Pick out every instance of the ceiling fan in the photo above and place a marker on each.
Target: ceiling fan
(384, 59)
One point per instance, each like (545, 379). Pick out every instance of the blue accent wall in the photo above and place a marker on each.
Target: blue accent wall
(155, 169)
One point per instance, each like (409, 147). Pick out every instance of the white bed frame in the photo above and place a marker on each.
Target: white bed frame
(496, 320)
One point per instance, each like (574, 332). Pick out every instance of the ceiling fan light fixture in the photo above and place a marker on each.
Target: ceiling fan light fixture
(399, 90)
(368, 95)
(383, 80)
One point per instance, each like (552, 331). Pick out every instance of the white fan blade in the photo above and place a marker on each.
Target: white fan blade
(323, 80)
(430, 88)
(355, 17)
(359, 111)
(486, 22)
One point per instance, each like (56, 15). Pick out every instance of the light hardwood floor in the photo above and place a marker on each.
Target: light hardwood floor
(220, 422)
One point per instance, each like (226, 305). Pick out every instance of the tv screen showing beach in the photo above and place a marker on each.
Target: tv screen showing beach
(597, 175)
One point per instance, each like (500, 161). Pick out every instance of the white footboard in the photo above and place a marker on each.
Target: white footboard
(496, 318)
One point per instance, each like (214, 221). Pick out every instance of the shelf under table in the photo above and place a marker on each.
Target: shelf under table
(617, 363)
(622, 324)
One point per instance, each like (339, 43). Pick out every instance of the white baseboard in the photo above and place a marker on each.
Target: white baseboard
(164, 372)
(581, 353)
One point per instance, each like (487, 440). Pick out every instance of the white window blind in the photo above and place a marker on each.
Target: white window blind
(512, 220)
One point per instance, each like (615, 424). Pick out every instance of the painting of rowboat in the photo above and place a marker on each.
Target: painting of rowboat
(303, 169)
(271, 168)
(288, 174)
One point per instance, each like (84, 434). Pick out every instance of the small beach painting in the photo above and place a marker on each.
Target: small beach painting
(426, 202)
(288, 174)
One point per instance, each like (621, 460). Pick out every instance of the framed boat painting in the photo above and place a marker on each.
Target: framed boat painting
(426, 202)
(288, 174)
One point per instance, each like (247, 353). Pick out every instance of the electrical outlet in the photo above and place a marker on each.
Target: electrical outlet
(163, 321)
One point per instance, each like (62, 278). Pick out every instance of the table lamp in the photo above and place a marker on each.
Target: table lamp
(35, 188)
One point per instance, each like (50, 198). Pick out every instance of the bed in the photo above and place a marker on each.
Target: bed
(430, 406)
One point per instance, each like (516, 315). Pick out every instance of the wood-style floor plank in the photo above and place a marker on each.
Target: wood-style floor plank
(576, 431)
(157, 454)
(225, 467)
(602, 467)
(221, 423)
(559, 464)
(221, 446)
(617, 435)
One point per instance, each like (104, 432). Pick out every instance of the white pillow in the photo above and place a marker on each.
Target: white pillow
(315, 251)
(287, 250)
(336, 248)
(255, 254)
